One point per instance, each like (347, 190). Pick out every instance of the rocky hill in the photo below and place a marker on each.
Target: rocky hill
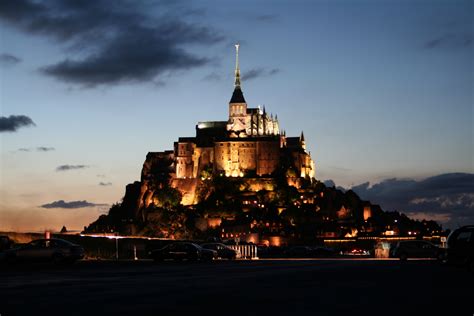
(297, 209)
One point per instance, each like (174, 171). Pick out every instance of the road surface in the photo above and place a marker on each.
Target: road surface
(263, 287)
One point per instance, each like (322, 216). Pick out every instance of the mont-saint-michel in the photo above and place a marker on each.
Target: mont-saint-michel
(245, 178)
(151, 165)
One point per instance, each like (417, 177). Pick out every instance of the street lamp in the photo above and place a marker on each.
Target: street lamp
(116, 246)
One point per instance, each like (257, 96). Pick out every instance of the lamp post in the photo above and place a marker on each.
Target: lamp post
(116, 246)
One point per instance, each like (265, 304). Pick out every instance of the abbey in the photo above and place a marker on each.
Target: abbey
(243, 177)
(250, 142)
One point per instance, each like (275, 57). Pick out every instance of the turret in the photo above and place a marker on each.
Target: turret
(303, 143)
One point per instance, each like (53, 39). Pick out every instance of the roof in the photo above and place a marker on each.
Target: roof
(186, 139)
(211, 124)
(264, 138)
(253, 110)
(208, 132)
(237, 96)
(293, 142)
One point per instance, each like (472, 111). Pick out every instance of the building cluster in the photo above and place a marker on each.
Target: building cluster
(244, 178)
(249, 143)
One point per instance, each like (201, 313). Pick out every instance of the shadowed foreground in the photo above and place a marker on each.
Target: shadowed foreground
(311, 287)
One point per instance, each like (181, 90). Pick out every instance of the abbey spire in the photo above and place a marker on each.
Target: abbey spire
(237, 95)
(244, 121)
(237, 69)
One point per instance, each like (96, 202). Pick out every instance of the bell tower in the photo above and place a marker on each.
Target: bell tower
(237, 105)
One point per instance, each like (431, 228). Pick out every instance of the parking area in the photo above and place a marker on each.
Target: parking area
(247, 287)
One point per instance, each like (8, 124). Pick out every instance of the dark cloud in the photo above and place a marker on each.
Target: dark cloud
(259, 72)
(40, 149)
(448, 198)
(13, 122)
(450, 40)
(9, 60)
(247, 75)
(119, 41)
(329, 183)
(70, 205)
(213, 76)
(105, 184)
(71, 167)
(44, 149)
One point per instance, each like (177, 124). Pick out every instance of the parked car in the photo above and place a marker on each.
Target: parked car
(183, 251)
(309, 252)
(323, 252)
(356, 252)
(223, 251)
(299, 252)
(416, 249)
(461, 247)
(54, 249)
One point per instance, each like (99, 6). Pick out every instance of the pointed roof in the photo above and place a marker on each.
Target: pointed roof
(302, 136)
(237, 96)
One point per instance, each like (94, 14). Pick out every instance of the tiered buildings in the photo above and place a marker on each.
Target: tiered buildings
(250, 143)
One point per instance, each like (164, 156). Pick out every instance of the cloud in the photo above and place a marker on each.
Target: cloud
(44, 149)
(104, 184)
(13, 122)
(39, 149)
(116, 42)
(447, 201)
(247, 75)
(70, 205)
(440, 218)
(450, 40)
(329, 183)
(9, 60)
(71, 167)
(213, 76)
(448, 198)
(259, 72)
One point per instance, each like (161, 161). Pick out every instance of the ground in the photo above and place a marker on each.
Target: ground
(263, 287)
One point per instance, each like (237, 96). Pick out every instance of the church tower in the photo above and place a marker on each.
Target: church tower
(237, 105)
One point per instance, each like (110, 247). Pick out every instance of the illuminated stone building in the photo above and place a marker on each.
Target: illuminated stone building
(246, 179)
(248, 143)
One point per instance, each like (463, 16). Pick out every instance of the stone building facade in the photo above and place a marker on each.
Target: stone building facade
(248, 143)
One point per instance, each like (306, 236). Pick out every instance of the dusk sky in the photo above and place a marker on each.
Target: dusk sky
(382, 90)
